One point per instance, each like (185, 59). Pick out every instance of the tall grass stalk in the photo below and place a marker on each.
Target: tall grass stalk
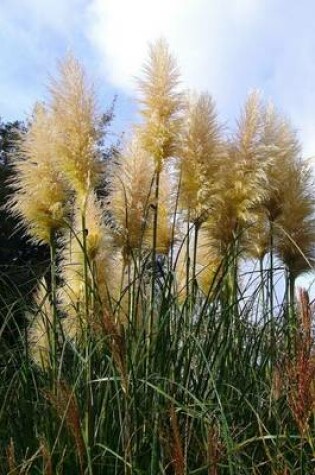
(152, 328)
(194, 263)
(271, 284)
(55, 327)
(262, 287)
(89, 410)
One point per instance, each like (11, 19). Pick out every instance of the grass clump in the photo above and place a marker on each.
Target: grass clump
(156, 346)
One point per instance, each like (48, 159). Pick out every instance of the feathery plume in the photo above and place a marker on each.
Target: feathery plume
(11, 460)
(40, 191)
(72, 294)
(258, 236)
(73, 106)
(199, 154)
(295, 230)
(281, 148)
(248, 159)
(177, 444)
(131, 202)
(208, 262)
(299, 370)
(113, 283)
(66, 406)
(131, 196)
(161, 104)
(241, 180)
(215, 448)
(289, 199)
(40, 329)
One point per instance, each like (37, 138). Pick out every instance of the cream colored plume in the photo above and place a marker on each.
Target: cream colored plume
(281, 148)
(279, 151)
(131, 201)
(114, 282)
(40, 191)
(98, 248)
(241, 180)
(199, 154)
(258, 236)
(295, 225)
(161, 104)
(39, 331)
(287, 205)
(73, 106)
(131, 196)
(291, 201)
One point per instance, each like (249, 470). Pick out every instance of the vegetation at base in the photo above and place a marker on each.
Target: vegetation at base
(158, 341)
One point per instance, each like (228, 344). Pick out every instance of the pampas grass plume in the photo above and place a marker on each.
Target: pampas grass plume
(161, 103)
(295, 226)
(131, 195)
(39, 328)
(73, 106)
(98, 246)
(241, 180)
(40, 191)
(199, 157)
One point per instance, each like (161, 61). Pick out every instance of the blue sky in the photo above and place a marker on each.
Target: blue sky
(227, 47)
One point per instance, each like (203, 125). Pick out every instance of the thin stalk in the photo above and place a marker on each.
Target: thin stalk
(121, 289)
(130, 291)
(235, 252)
(127, 438)
(194, 279)
(292, 294)
(188, 259)
(154, 454)
(232, 275)
(292, 314)
(262, 287)
(271, 286)
(136, 283)
(53, 274)
(153, 262)
(174, 224)
(286, 306)
(89, 419)
(154, 457)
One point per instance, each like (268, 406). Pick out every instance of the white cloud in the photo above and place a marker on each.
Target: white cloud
(195, 29)
(224, 46)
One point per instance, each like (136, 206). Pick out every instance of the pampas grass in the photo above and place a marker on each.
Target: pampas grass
(155, 347)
